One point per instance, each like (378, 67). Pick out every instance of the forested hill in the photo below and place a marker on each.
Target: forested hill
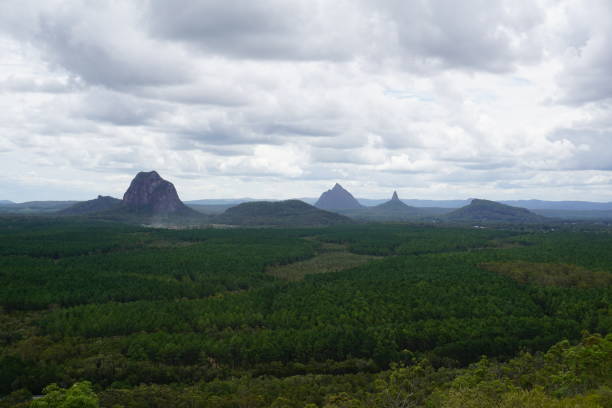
(97, 205)
(287, 213)
(486, 211)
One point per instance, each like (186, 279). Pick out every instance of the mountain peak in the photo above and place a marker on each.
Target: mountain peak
(148, 175)
(337, 199)
(395, 207)
(150, 193)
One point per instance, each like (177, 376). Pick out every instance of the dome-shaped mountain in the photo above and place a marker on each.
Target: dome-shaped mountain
(337, 199)
(100, 204)
(491, 211)
(150, 194)
(289, 212)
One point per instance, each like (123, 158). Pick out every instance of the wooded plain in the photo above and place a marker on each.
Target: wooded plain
(345, 316)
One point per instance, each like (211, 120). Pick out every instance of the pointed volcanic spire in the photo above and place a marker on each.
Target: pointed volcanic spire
(396, 206)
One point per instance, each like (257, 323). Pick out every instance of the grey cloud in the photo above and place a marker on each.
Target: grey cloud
(475, 34)
(267, 124)
(590, 81)
(220, 131)
(587, 70)
(93, 41)
(468, 176)
(592, 148)
(505, 185)
(229, 151)
(181, 142)
(489, 165)
(96, 59)
(56, 125)
(101, 105)
(347, 156)
(298, 129)
(266, 29)
(405, 171)
(220, 94)
(20, 84)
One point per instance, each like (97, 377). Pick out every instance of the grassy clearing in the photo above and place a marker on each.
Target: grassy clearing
(549, 274)
(331, 258)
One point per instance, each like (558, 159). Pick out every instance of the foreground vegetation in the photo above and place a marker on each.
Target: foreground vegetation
(346, 316)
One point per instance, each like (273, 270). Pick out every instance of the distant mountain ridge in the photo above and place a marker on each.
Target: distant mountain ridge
(149, 195)
(532, 204)
(35, 207)
(528, 204)
(371, 202)
(560, 205)
(337, 199)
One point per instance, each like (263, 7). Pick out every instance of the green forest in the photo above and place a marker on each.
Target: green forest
(99, 314)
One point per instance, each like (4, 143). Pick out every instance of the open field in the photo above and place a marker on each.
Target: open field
(329, 258)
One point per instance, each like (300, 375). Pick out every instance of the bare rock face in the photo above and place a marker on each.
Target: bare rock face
(395, 197)
(337, 199)
(150, 193)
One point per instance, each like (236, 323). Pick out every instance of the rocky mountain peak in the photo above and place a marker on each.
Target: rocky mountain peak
(396, 206)
(151, 193)
(337, 199)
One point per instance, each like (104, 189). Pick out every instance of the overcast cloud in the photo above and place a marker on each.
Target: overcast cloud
(277, 99)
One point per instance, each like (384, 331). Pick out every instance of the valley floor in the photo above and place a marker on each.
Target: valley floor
(366, 315)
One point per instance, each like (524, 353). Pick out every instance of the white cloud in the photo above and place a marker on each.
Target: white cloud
(510, 99)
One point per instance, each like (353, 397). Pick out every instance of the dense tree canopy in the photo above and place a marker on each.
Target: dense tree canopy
(197, 317)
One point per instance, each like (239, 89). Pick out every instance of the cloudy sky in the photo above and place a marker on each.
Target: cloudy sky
(278, 99)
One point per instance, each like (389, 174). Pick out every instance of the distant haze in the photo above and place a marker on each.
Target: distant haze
(439, 100)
